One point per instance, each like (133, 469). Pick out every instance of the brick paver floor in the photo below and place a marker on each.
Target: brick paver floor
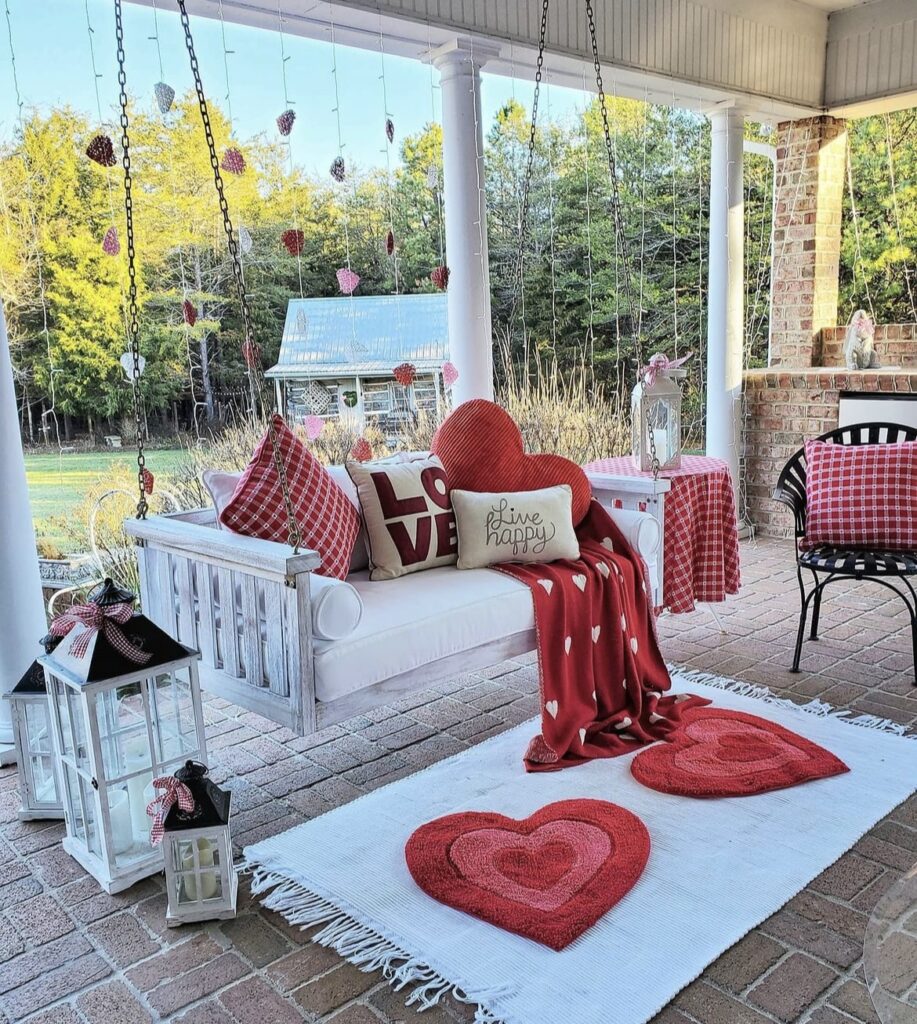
(70, 954)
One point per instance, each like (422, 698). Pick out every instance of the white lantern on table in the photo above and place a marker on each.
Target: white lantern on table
(201, 881)
(38, 788)
(125, 708)
(656, 414)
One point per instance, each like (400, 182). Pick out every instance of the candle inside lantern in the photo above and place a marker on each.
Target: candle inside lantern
(661, 440)
(205, 860)
(140, 787)
(119, 810)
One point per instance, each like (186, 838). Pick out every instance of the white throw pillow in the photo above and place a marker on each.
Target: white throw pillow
(336, 607)
(360, 557)
(519, 526)
(221, 486)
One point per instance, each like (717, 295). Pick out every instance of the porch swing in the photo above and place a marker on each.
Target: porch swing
(247, 605)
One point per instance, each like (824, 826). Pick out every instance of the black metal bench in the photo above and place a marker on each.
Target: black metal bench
(829, 563)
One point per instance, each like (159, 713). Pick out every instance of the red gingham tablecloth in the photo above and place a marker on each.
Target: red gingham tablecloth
(701, 556)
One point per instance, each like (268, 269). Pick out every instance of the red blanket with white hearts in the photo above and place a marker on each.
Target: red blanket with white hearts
(603, 679)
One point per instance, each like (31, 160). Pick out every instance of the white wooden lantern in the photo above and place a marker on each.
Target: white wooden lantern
(34, 747)
(656, 417)
(201, 880)
(116, 725)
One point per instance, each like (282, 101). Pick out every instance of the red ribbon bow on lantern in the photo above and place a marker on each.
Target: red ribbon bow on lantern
(158, 807)
(659, 363)
(94, 618)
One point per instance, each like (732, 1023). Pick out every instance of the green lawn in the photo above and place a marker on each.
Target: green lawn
(58, 483)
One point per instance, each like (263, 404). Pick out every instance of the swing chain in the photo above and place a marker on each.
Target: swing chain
(295, 534)
(133, 309)
(620, 233)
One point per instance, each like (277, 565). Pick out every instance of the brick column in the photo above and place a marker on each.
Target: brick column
(811, 163)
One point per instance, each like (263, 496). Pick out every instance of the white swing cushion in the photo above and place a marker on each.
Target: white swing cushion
(418, 619)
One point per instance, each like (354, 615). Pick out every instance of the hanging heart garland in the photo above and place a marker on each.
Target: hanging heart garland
(293, 240)
(347, 280)
(405, 373)
(233, 162)
(390, 129)
(440, 277)
(313, 425)
(148, 481)
(101, 151)
(245, 240)
(450, 374)
(111, 244)
(165, 94)
(390, 243)
(361, 451)
(285, 122)
(189, 312)
(338, 170)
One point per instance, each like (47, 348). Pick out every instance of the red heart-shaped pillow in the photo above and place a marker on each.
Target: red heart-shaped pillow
(548, 877)
(716, 752)
(481, 448)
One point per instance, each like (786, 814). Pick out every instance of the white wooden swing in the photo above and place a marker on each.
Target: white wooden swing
(246, 603)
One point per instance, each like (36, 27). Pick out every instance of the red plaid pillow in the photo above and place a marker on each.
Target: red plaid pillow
(328, 521)
(861, 496)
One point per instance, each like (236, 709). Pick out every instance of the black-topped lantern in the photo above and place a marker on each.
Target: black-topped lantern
(197, 848)
(38, 788)
(125, 708)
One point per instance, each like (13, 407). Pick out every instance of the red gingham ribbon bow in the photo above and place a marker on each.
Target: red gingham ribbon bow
(158, 808)
(93, 618)
(660, 362)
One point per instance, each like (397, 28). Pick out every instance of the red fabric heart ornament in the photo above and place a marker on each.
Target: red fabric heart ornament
(548, 877)
(481, 448)
(715, 752)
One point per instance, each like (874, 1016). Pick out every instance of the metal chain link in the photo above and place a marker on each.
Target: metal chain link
(256, 389)
(620, 233)
(133, 310)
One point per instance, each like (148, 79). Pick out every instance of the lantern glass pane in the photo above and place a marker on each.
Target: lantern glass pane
(37, 727)
(196, 887)
(90, 823)
(197, 862)
(126, 758)
(172, 711)
(73, 727)
(124, 844)
(44, 790)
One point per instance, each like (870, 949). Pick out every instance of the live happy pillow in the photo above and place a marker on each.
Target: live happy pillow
(861, 496)
(328, 522)
(407, 514)
(520, 526)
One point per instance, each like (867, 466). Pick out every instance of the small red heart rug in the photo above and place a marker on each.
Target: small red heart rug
(481, 448)
(547, 877)
(715, 752)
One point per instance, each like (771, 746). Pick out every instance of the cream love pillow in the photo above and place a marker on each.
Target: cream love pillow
(519, 526)
(407, 514)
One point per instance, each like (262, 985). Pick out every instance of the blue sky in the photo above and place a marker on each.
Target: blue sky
(53, 62)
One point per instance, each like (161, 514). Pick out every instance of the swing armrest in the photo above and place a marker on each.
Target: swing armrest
(195, 534)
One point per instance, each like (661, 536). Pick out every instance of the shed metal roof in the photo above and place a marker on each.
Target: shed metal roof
(362, 335)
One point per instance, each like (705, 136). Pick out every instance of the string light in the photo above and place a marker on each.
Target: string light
(288, 140)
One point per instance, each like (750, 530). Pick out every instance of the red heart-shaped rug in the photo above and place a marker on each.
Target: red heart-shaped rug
(547, 877)
(715, 752)
(481, 448)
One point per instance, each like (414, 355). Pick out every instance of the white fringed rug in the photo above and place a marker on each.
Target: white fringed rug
(717, 869)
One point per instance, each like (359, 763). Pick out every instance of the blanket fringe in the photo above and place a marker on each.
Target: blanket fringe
(814, 707)
(362, 946)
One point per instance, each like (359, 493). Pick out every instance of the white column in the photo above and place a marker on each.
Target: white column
(22, 612)
(726, 293)
(470, 334)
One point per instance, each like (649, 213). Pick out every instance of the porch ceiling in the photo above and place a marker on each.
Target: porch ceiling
(779, 60)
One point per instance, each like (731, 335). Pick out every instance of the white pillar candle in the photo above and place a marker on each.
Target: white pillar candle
(205, 860)
(122, 832)
(661, 440)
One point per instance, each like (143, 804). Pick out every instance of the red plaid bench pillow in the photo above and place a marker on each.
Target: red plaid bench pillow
(861, 496)
(327, 519)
